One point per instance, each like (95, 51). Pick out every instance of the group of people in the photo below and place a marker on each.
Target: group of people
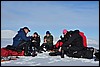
(32, 43)
(72, 43)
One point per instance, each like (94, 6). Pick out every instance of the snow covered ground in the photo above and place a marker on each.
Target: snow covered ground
(43, 59)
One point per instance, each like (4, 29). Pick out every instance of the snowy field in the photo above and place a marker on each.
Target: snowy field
(43, 59)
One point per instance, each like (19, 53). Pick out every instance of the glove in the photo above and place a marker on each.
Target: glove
(33, 41)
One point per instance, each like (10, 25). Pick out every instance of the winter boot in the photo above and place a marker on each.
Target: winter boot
(62, 53)
(27, 54)
(52, 54)
(34, 54)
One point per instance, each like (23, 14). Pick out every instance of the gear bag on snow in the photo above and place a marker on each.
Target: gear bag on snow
(6, 52)
(85, 53)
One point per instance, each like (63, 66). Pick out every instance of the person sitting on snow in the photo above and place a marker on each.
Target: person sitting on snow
(66, 35)
(58, 45)
(76, 47)
(35, 42)
(21, 40)
(48, 41)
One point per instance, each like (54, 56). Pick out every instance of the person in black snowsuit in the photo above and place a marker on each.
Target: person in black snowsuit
(75, 42)
(35, 42)
(74, 47)
(66, 36)
(58, 45)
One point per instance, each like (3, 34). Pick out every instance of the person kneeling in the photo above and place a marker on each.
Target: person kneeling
(21, 41)
(75, 47)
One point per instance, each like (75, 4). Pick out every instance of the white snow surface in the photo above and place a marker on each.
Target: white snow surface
(43, 59)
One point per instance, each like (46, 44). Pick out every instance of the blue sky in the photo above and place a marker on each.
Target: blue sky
(55, 16)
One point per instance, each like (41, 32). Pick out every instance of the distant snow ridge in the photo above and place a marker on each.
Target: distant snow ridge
(91, 41)
(7, 33)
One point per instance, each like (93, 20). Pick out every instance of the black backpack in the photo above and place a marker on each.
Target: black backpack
(85, 53)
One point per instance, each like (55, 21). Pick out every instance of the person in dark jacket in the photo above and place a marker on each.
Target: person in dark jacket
(75, 41)
(48, 41)
(58, 45)
(35, 42)
(66, 35)
(21, 40)
(74, 47)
